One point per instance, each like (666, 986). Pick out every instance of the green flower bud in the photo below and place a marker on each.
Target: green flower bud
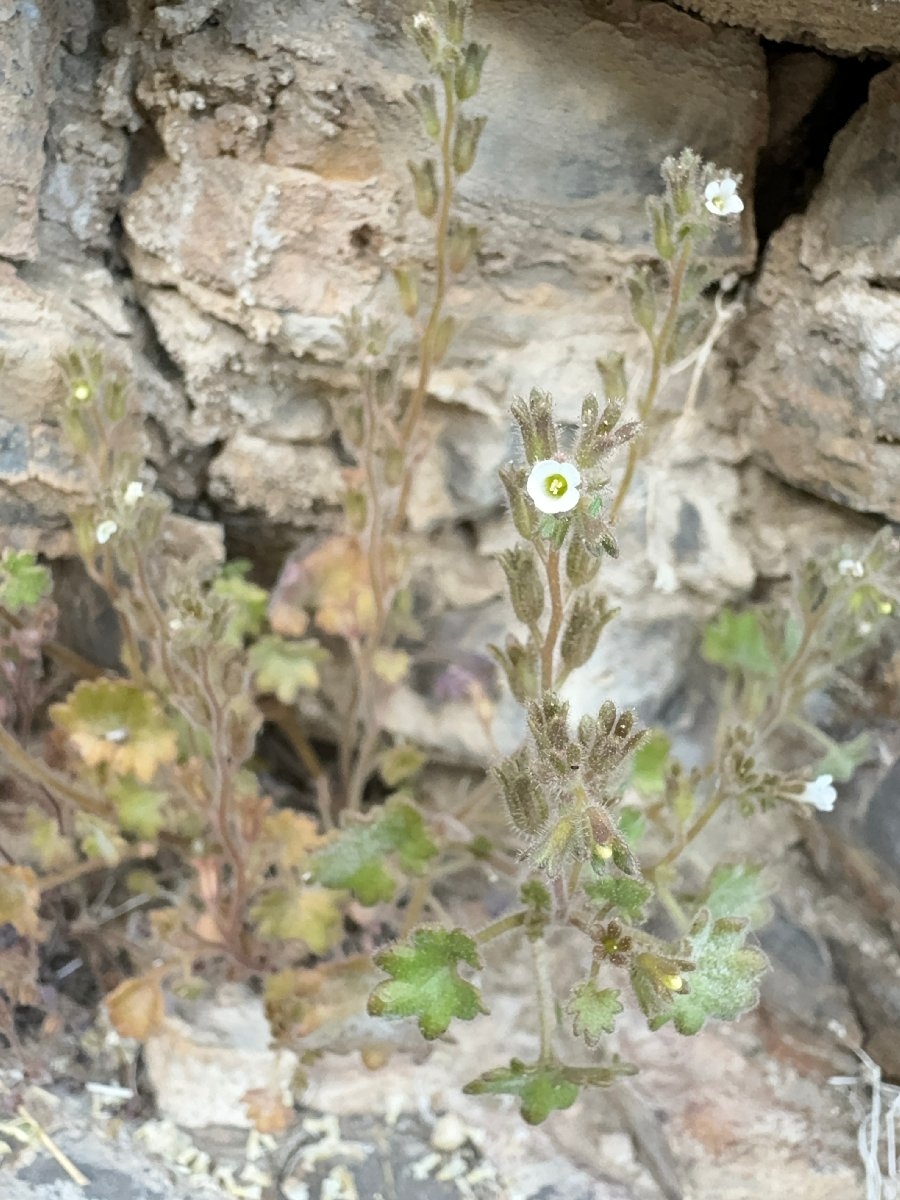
(643, 300)
(425, 184)
(520, 666)
(423, 99)
(462, 242)
(662, 221)
(612, 370)
(468, 74)
(548, 720)
(355, 507)
(392, 465)
(606, 717)
(525, 587)
(581, 565)
(457, 11)
(521, 511)
(465, 144)
(407, 281)
(427, 35)
(590, 411)
(528, 807)
(443, 336)
(582, 631)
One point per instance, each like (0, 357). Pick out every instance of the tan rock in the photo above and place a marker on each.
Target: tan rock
(851, 26)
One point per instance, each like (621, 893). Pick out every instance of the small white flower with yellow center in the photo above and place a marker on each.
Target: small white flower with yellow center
(721, 197)
(553, 486)
(104, 532)
(820, 794)
(133, 493)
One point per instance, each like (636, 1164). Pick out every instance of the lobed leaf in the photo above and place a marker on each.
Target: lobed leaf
(594, 1011)
(541, 1087)
(425, 982)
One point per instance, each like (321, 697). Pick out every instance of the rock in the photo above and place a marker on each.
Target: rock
(201, 1069)
(29, 34)
(849, 26)
(282, 481)
(821, 377)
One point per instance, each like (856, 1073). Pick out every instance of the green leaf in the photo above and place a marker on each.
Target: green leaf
(139, 808)
(541, 1087)
(724, 983)
(632, 825)
(738, 890)
(22, 581)
(648, 763)
(736, 640)
(425, 982)
(629, 896)
(308, 914)
(248, 602)
(842, 759)
(400, 763)
(354, 859)
(594, 1011)
(286, 668)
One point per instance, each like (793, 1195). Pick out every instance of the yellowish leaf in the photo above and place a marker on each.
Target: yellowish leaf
(20, 897)
(391, 665)
(136, 1007)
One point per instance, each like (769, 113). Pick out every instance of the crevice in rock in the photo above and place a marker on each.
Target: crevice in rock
(812, 98)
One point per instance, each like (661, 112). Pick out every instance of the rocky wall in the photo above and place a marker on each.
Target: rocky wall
(207, 187)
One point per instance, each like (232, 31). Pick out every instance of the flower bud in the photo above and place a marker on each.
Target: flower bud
(81, 391)
(468, 73)
(355, 507)
(528, 807)
(520, 666)
(643, 300)
(443, 336)
(425, 185)
(522, 513)
(407, 281)
(465, 144)
(590, 411)
(423, 100)
(582, 631)
(535, 420)
(612, 370)
(392, 465)
(581, 565)
(662, 221)
(455, 27)
(525, 587)
(428, 37)
(462, 242)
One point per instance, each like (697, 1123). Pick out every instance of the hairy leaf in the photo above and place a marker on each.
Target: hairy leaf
(286, 668)
(594, 1011)
(308, 914)
(629, 896)
(738, 890)
(648, 763)
(724, 983)
(736, 640)
(22, 581)
(541, 1087)
(354, 859)
(425, 982)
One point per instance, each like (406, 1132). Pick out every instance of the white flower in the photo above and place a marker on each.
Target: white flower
(553, 486)
(820, 794)
(104, 532)
(133, 493)
(852, 567)
(722, 198)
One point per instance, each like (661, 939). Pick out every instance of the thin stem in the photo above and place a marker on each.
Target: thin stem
(498, 928)
(544, 991)
(33, 769)
(659, 351)
(427, 343)
(693, 831)
(555, 622)
(59, 654)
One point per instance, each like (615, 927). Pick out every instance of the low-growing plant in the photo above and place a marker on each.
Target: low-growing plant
(149, 772)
